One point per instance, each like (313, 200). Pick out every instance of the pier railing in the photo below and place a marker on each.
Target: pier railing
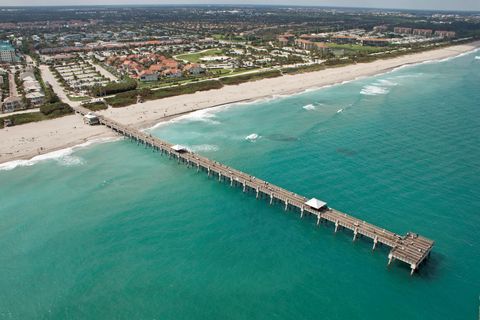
(411, 248)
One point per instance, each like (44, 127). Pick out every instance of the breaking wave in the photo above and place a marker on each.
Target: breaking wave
(204, 115)
(387, 83)
(309, 107)
(372, 90)
(252, 137)
(63, 157)
(409, 75)
(378, 88)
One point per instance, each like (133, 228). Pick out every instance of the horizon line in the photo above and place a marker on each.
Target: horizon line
(229, 5)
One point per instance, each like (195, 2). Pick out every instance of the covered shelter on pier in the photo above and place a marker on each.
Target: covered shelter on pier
(179, 148)
(316, 204)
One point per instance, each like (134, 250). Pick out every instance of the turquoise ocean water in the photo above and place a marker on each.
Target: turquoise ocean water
(114, 231)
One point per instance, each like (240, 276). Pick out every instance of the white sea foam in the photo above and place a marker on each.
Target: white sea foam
(372, 90)
(387, 83)
(203, 148)
(477, 57)
(381, 86)
(409, 75)
(457, 56)
(252, 137)
(435, 61)
(202, 115)
(196, 115)
(205, 115)
(309, 107)
(63, 157)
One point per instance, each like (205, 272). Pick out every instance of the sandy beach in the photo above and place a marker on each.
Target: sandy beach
(26, 141)
(32, 139)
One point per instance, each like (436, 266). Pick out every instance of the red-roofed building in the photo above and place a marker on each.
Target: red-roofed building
(445, 34)
(422, 32)
(344, 39)
(156, 68)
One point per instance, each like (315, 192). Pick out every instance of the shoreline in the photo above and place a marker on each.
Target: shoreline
(150, 113)
(58, 153)
(30, 140)
(38, 138)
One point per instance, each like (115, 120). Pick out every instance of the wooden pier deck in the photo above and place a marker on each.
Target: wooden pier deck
(412, 248)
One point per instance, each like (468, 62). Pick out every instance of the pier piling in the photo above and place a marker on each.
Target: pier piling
(411, 248)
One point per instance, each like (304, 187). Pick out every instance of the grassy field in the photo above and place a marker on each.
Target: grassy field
(130, 97)
(77, 98)
(173, 82)
(22, 118)
(241, 70)
(95, 106)
(196, 56)
(250, 77)
(229, 38)
(51, 111)
(356, 47)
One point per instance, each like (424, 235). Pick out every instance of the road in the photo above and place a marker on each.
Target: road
(30, 61)
(12, 84)
(48, 77)
(19, 112)
(103, 71)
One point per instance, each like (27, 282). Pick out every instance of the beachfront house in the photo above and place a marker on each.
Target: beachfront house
(12, 104)
(35, 98)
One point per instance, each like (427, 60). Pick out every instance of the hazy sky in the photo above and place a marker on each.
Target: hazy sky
(410, 4)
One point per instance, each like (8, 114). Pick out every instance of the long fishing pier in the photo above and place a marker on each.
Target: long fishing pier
(412, 248)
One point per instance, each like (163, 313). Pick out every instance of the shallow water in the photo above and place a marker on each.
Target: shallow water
(120, 232)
